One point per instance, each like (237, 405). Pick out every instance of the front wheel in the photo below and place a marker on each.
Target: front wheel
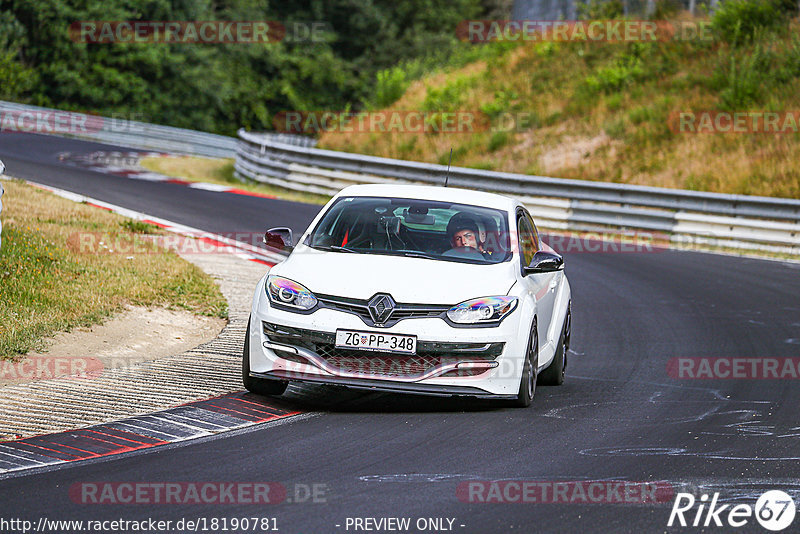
(527, 383)
(259, 386)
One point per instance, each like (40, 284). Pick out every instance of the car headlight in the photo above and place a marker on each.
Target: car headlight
(289, 293)
(482, 310)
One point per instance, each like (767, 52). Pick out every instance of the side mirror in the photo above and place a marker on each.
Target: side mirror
(545, 262)
(279, 239)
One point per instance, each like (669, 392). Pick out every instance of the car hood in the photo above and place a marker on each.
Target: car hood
(408, 280)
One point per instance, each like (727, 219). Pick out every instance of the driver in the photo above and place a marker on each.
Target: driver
(465, 234)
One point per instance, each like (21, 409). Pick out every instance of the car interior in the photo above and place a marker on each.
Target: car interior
(390, 225)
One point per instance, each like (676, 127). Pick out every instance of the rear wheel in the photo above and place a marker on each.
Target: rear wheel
(260, 386)
(527, 383)
(557, 370)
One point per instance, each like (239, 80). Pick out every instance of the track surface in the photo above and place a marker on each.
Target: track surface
(618, 416)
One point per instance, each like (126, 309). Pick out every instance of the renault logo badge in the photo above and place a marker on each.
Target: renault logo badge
(380, 308)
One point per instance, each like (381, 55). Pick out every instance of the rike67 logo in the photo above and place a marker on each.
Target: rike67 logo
(774, 510)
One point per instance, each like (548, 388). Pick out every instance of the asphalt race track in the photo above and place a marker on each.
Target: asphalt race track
(35, 157)
(620, 416)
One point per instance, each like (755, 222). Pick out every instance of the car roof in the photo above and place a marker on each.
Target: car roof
(427, 192)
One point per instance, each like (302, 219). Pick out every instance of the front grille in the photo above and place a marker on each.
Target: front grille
(399, 313)
(380, 365)
(429, 354)
(407, 313)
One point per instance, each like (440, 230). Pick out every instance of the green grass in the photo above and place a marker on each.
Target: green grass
(602, 111)
(220, 171)
(55, 275)
(138, 227)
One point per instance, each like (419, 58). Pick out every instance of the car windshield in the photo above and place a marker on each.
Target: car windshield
(416, 228)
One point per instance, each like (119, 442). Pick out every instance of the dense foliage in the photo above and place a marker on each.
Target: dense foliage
(221, 87)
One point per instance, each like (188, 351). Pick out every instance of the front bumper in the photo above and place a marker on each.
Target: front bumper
(432, 359)
(385, 385)
(481, 362)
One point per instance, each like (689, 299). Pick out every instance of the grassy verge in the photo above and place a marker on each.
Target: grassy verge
(50, 281)
(607, 112)
(220, 171)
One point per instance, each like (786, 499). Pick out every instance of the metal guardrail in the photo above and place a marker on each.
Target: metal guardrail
(737, 221)
(123, 132)
(292, 162)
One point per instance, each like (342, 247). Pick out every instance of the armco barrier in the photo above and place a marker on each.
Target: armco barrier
(735, 221)
(123, 132)
(291, 161)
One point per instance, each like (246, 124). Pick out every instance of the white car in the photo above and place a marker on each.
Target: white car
(412, 289)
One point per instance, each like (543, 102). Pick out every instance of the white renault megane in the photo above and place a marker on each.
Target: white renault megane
(412, 289)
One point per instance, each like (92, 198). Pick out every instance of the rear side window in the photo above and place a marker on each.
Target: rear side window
(527, 240)
(535, 231)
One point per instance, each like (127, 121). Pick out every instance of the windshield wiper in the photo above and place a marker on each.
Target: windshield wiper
(335, 248)
(414, 254)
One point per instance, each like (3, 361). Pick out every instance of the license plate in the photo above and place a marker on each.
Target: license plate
(350, 339)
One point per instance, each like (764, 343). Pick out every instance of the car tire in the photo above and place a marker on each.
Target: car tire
(527, 383)
(556, 372)
(259, 386)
